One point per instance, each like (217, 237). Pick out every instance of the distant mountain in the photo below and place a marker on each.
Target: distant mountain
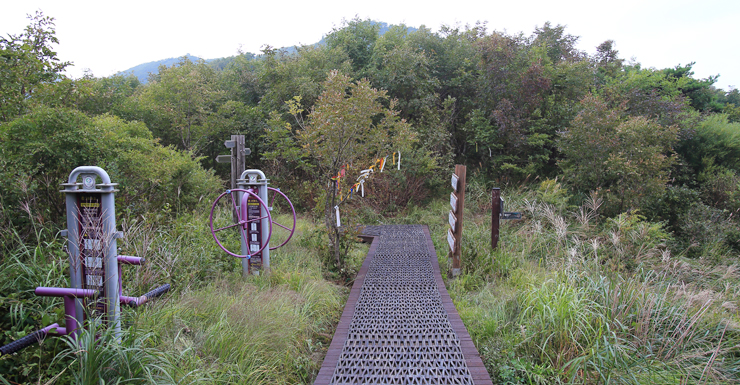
(142, 71)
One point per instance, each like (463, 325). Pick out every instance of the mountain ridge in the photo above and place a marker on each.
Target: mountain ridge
(143, 70)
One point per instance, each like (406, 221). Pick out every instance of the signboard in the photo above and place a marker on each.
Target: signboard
(455, 179)
(511, 215)
(254, 232)
(223, 159)
(453, 202)
(453, 220)
(92, 248)
(451, 240)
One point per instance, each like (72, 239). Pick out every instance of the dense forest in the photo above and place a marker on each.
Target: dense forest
(654, 154)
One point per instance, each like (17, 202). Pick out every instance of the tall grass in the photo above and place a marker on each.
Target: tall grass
(571, 297)
(215, 326)
(39, 261)
(568, 297)
(272, 328)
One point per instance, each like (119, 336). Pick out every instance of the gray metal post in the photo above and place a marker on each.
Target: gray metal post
(104, 239)
(251, 178)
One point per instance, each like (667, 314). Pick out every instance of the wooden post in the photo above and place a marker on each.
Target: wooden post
(495, 216)
(456, 217)
(238, 161)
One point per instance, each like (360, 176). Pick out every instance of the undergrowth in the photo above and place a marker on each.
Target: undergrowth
(570, 297)
(214, 326)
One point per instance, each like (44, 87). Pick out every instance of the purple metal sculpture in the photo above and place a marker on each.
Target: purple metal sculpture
(243, 222)
(95, 267)
(275, 194)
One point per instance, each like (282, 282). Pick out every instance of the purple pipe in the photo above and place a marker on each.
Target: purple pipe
(129, 260)
(65, 292)
(133, 301)
(70, 311)
(58, 330)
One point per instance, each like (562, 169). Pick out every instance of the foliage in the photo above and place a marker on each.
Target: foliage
(622, 270)
(347, 127)
(626, 158)
(42, 148)
(182, 97)
(286, 76)
(357, 39)
(572, 297)
(716, 141)
(27, 60)
(698, 91)
(98, 355)
(25, 266)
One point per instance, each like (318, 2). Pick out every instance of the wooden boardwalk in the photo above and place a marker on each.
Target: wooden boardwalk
(399, 325)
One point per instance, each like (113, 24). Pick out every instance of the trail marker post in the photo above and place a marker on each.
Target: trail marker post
(497, 214)
(237, 159)
(455, 218)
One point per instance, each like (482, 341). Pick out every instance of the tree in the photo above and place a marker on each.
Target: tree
(27, 60)
(700, 92)
(512, 87)
(178, 100)
(348, 126)
(404, 71)
(607, 61)
(357, 38)
(559, 45)
(627, 158)
(285, 76)
(41, 148)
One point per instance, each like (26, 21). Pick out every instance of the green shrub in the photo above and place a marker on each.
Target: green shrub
(40, 150)
(715, 138)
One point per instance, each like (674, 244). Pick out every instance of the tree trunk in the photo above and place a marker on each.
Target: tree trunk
(331, 225)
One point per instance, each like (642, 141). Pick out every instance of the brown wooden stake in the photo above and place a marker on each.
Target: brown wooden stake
(460, 171)
(495, 216)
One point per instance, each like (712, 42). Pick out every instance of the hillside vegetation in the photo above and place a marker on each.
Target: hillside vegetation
(624, 268)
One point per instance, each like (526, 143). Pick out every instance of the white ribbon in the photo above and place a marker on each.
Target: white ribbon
(399, 160)
(362, 187)
(382, 166)
(339, 223)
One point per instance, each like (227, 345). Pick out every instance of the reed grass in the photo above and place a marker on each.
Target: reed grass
(571, 297)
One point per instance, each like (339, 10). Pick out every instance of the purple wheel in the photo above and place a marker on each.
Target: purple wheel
(243, 222)
(274, 197)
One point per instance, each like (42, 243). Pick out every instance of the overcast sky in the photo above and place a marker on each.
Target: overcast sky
(110, 36)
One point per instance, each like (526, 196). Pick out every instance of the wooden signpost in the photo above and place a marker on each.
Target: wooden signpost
(455, 217)
(237, 159)
(497, 214)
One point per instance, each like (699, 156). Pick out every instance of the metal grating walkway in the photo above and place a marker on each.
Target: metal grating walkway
(399, 325)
